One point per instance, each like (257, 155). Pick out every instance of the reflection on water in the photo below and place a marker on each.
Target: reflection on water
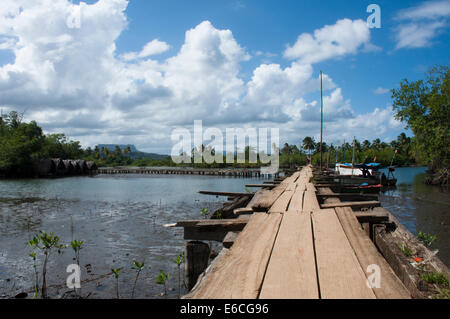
(421, 207)
(120, 219)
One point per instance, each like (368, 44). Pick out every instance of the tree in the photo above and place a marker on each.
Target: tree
(308, 144)
(424, 106)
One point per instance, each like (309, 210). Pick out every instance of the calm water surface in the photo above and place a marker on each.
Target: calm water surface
(421, 207)
(120, 219)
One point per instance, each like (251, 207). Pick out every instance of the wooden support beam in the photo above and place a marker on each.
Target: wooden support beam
(197, 256)
(351, 195)
(261, 185)
(229, 194)
(229, 239)
(209, 229)
(355, 205)
(371, 217)
(243, 211)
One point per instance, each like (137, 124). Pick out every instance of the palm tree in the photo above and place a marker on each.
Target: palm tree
(309, 144)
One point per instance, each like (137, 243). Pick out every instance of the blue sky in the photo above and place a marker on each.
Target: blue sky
(99, 82)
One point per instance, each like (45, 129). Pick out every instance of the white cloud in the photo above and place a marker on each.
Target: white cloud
(152, 48)
(417, 35)
(421, 24)
(381, 90)
(71, 79)
(332, 41)
(427, 10)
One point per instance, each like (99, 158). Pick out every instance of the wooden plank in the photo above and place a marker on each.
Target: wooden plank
(266, 200)
(296, 203)
(367, 254)
(350, 195)
(282, 203)
(211, 223)
(230, 238)
(310, 202)
(371, 203)
(310, 187)
(258, 195)
(240, 272)
(370, 216)
(229, 194)
(291, 273)
(339, 272)
(242, 211)
(261, 185)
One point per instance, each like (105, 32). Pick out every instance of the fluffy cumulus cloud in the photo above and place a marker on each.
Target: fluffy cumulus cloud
(419, 25)
(68, 75)
(332, 41)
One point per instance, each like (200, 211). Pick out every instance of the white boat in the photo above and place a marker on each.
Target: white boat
(357, 169)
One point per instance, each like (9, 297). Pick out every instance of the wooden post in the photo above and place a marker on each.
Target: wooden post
(321, 120)
(197, 257)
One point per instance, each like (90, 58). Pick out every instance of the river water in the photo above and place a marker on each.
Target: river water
(120, 219)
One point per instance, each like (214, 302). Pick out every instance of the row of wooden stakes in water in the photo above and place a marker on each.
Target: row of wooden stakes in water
(190, 171)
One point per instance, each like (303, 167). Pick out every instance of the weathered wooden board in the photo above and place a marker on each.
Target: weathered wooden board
(371, 203)
(282, 203)
(225, 224)
(296, 203)
(371, 216)
(266, 200)
(257, 197)
(291, 273)
(261, 185)
(310, 202)
(242, 211)
(230, 238)
(240, 272)
(339, 272)
(310, 187)
(367, 254)
(229, 194)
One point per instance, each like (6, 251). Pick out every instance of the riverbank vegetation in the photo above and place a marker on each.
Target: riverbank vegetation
(424, 106)
(23, 143)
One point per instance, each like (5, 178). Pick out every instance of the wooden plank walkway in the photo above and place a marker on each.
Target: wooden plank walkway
(296, 249)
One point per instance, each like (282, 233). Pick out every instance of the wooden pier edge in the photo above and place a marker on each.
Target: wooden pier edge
(248, 267)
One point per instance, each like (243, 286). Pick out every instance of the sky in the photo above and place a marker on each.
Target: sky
(131, 72)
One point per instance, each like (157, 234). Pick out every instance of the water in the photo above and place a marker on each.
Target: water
(421, 207)
(120, 219)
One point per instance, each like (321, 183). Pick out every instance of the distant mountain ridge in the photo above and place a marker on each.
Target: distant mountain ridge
(135, 153)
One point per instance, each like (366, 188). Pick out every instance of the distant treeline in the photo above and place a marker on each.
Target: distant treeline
(365, 152)
(22, 144)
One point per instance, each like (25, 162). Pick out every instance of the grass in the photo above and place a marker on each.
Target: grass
(443, 294)
(435, 278)
(406, 250)
(425, 238)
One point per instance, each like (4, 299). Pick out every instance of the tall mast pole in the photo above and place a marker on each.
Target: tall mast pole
(321, 119)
